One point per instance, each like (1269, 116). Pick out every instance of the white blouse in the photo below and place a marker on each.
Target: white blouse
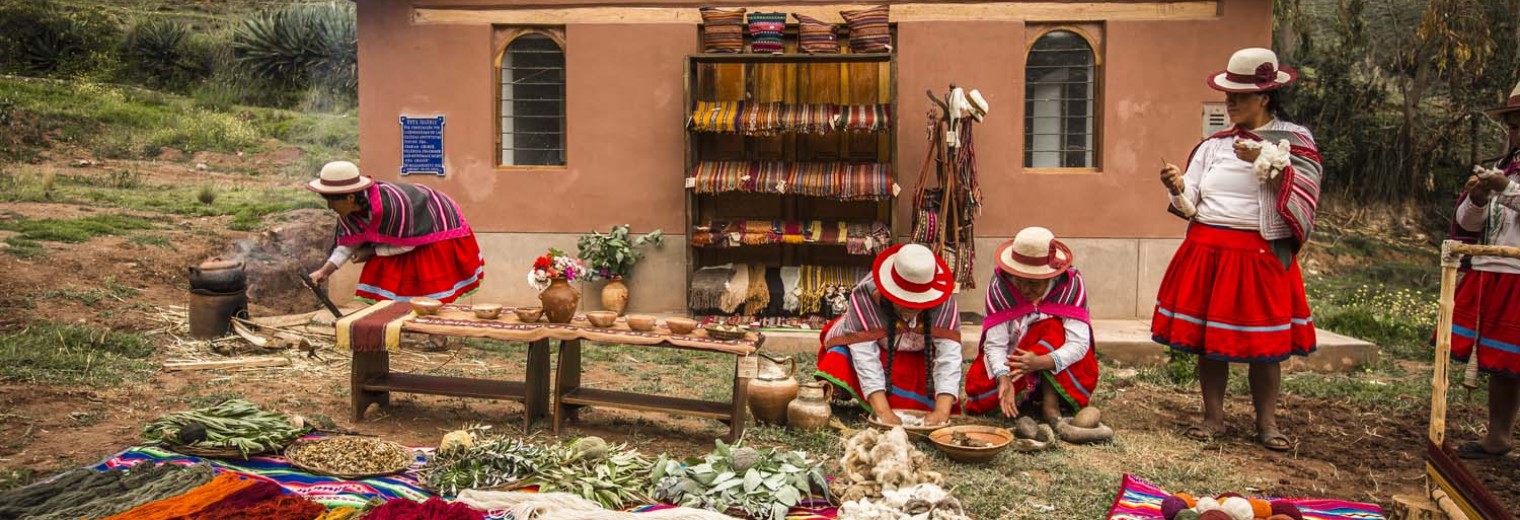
(869, 370)
(1503, 213)
(1224, 189)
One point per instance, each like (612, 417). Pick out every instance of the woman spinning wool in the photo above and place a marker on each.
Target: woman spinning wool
(1037, 305)
(1486, 317)
(1233, 292)
(898, 346)
(412, 239)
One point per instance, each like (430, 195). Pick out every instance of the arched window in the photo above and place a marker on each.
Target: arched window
(532, 79)
(1059, 112)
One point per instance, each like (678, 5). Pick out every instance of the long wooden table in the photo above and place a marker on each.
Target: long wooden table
(373, 381)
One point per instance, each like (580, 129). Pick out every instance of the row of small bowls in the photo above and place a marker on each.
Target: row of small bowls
(601, 319)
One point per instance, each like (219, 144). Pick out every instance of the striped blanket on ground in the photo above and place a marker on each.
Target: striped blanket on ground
(335, 492)
(1141, 500)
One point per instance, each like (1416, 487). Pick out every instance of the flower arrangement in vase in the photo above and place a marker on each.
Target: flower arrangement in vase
(551, 276)
(611, 257)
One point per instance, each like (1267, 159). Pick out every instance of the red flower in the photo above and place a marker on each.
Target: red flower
(543, 262)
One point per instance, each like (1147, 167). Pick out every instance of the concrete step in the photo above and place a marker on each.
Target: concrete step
(1128, 343)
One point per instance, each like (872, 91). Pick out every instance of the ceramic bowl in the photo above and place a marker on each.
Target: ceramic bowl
(998, 439)
(641, 323)
(913, 431)
(601, 319)
(529, 314)
(487, 311)
(680, 325)
(426, 306)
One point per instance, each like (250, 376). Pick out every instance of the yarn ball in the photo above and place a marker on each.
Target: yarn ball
(1261, 508)
(1186, 514)
(1286, 508)
(1171, 505)
(1206, 504)
(1239, 508)
(1279, 517)
(1223, 496)
(1191, 503)
(1214, 515)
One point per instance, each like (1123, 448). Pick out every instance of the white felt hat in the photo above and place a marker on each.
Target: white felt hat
(1253, 70)
(1034, 253)
(339, 177)
(912, 276)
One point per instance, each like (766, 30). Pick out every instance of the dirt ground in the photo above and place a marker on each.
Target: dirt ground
(1341, 451)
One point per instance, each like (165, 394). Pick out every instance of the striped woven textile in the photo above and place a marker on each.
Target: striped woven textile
(716, 116)
(865, 118)
(722, 29)
(762, 119)
(403, 214)
(833, 180)
(765, 32)
(869, 32)
(812, 119)
(816, 36)
(859, 238)
(1141, 500)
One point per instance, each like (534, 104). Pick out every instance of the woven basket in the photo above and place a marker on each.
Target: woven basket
(293, 454)
(725, 335)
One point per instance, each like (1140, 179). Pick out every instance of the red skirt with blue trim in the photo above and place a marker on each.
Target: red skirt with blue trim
(909, 376)
(444, 270)
(1075, 385)
(1227, 297)
(1487, 313)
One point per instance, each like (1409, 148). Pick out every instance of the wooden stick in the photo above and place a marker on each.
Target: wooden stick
(230, 363)
(242, 330)
(1450, 260)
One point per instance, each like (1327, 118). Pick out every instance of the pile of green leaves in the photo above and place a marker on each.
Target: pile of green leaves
(234, 423)
(486, 463)
(613, 476)
(763, 483)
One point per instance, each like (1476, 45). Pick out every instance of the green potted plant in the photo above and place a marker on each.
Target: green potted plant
(611, 257)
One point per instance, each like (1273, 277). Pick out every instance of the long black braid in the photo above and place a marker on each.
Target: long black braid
(889, 311)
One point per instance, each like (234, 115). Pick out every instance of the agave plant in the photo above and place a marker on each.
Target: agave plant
(37, 37)
(301, 45)
(163, 52)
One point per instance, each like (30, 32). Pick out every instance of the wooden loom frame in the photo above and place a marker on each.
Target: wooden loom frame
(1448, 477)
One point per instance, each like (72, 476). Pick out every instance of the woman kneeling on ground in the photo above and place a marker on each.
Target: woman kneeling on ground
(1037, 304)
(899, 344)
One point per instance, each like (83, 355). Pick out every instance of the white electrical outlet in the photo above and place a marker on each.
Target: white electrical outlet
(1216, 119)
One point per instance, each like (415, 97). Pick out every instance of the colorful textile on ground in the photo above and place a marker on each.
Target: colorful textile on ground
(433, 508)
(1226, 297)
(816, 36)
(373, 328)
(869, 31)
(1487, 312)
(225, 488)
(722, 29)
(839, 181)
(859, 238)
(1141, 500)
(765, 32)
(86, 493)
(443, 271)
(1295, 198)
(328, 491)
(808, 510)
(1075, 384)
(403, 214)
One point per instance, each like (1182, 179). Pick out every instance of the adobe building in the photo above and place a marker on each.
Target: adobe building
(563, 116)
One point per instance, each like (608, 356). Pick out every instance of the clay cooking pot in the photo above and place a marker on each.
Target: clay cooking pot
(218, 276)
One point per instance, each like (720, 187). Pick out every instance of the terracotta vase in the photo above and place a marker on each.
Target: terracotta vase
(773, 389)
(560, 301)
(615, 296)
(810, 410)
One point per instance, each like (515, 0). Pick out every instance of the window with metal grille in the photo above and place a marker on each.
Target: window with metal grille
(1058, 102)
(532, 78)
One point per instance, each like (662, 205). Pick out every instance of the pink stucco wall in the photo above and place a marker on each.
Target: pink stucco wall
(624, 118)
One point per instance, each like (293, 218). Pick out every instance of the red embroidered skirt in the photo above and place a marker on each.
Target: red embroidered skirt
(1227, 297)
(444, 270)
(909, 375)
(1075, 384)
(1487, 312)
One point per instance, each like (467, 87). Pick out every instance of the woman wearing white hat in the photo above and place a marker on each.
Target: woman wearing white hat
(899, 344)
(412, 239)
(1486, 313)
(1037, 305)
(1233, 292)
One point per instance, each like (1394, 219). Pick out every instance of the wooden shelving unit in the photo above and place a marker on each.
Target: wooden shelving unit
(793, 79)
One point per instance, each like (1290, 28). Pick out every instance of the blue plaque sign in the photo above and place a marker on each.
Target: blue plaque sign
(422, 145)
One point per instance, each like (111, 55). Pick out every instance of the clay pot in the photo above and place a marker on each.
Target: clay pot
(218, 276)
(615, 296)
(810, 410)
(560, 301)
(773, 389)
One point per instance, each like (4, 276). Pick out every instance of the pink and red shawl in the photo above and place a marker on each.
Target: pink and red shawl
(406, 215)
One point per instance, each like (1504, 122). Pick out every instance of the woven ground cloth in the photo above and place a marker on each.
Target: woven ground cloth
(1141, 500)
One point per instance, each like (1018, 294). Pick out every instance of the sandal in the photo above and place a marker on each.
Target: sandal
(1200, 433)
(1474, 450)
(1274, 440)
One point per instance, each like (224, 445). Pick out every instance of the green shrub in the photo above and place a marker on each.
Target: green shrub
(303, 46)
(163, 53)
(69, 354)
(39, 37)
(207, 195)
